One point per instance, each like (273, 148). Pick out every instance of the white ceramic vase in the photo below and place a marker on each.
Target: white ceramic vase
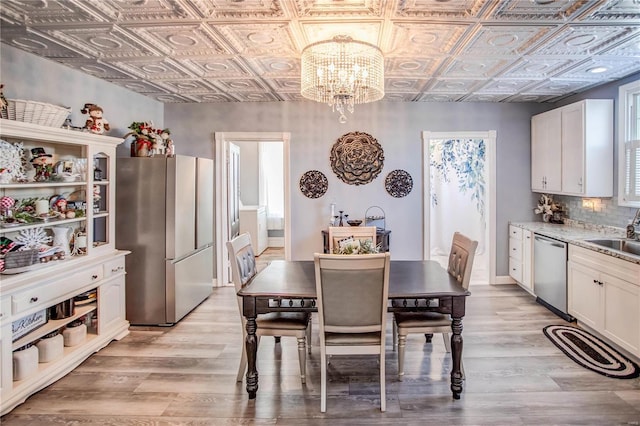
(61, 237)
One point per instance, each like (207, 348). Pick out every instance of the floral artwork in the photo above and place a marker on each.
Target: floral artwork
(465, 159)
(356, 158)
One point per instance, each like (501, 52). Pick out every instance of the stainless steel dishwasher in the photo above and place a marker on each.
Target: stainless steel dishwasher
(550, 274)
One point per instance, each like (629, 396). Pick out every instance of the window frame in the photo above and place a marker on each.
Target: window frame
(625, 128)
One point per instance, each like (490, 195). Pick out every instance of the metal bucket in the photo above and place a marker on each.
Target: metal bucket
(62, 310)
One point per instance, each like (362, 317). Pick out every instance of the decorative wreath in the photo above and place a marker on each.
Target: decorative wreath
(398, 183)
(356, 158)
(313, 184)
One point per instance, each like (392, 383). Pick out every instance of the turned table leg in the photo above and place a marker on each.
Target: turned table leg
(456, 355)
(251, 345)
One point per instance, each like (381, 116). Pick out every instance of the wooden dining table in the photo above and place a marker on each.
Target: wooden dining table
(413, 286)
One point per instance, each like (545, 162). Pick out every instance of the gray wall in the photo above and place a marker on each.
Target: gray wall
(397, 126)
(249, 179)
(26, 76)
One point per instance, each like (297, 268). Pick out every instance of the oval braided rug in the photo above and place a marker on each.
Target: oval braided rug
(590, 352)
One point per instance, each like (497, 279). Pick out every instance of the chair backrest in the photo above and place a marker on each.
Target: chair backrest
(352, 292)
(463, 251)
(243, 262)
(340, 233)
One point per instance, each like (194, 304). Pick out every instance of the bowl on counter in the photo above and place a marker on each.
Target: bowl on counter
(354, 222)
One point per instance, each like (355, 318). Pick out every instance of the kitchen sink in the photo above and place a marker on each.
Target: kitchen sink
(627, 246)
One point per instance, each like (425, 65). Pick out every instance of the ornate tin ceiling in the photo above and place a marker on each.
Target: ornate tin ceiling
(249, 50)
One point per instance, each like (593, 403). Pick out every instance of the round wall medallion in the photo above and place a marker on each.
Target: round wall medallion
(398, 183)
(356, 158)
(313, 184)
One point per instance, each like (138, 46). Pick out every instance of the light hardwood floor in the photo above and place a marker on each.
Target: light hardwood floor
(185, 375)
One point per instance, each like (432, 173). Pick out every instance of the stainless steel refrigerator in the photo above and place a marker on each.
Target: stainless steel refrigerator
(165, 218)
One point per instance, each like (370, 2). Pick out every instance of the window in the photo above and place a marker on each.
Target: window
(629, 145)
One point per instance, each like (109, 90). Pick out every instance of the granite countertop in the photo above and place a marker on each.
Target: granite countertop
(577, 232)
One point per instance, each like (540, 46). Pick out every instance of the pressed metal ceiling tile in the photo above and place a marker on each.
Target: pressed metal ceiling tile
(249, 50)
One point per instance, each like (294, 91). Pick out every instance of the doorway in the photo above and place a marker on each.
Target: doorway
(459, 195)
(222, 148)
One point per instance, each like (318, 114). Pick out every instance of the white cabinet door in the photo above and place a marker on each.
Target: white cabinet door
(573, 145)
(527, 260)
(111, 304)
(572, 149)
(621, 312)
(584, 294)
(546, 152)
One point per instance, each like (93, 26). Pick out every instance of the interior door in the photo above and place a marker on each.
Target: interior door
(233, 190)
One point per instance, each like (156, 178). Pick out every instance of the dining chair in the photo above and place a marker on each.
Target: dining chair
(297, 324)
(341, 235)
(352, 295)
(460, 263)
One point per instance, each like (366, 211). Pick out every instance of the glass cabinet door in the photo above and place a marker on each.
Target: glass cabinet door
(100, 199)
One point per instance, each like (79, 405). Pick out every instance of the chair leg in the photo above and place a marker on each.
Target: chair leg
(394, 330)
(323, 382)
(243, 365)
(402, 343)
(309, 337)
(447, 342)
(383, 395)
(302, 357)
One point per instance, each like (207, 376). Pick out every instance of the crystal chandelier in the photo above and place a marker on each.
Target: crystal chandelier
(342, 72)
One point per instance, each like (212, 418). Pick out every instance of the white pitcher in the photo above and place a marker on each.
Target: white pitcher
(61, 237)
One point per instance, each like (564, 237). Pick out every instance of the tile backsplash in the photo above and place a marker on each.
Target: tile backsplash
(603, 211)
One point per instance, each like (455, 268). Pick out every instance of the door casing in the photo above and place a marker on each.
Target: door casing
(221, 149)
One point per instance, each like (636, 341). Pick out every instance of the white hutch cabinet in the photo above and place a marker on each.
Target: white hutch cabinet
(97, 269)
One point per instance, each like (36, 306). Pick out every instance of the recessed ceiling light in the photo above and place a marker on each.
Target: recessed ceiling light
(542, 1)
(597, 70)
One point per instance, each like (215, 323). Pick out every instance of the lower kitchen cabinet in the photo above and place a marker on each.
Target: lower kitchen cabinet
(521, 257)
(604, 295)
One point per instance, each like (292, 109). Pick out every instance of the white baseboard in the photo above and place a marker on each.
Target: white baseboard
(276, 242)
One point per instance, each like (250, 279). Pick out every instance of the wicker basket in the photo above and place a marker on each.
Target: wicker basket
(36, 112)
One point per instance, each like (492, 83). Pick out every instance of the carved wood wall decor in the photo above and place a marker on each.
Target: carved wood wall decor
(356, 158)
(313, 184)
(398, 183)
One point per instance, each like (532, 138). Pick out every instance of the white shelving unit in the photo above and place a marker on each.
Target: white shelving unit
(100, 266)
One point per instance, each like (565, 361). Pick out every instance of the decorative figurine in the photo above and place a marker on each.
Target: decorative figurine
(42, 163)
(158, 146)
(168, 143)
(96, 123)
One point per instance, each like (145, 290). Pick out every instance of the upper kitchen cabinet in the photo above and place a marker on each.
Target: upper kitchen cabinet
(546, 152)
(572, 149)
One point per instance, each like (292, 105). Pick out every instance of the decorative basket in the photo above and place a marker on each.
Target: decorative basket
(35, 112)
